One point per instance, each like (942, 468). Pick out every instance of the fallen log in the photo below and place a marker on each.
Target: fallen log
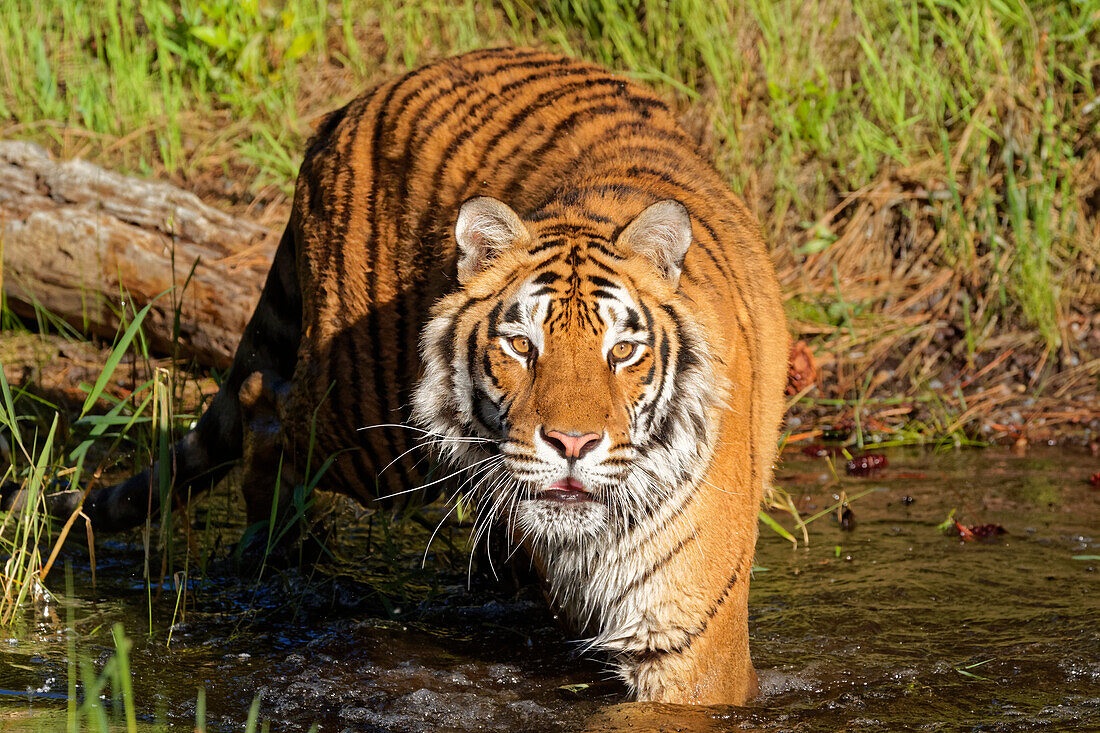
(90, 246)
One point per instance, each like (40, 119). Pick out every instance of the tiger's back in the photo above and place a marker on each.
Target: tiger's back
(567, 144)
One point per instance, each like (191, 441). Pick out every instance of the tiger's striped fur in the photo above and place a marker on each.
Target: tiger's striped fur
(652, 561)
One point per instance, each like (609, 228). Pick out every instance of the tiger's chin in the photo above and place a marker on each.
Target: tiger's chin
(553, 522)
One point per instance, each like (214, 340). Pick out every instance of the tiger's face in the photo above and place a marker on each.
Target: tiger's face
(567, 376)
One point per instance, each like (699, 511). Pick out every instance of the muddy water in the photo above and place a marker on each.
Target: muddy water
(892, 625)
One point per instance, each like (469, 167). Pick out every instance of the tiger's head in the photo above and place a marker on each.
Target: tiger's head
(568, 375)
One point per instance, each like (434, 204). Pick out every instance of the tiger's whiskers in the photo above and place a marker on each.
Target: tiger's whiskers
(439, 480)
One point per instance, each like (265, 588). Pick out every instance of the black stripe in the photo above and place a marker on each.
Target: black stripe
(633, 320)
(342, 175)
(573, 230)
(575, 196)
(373, 249)
(487, 367)
(560, 131)
(648, 318)
(545, 245)
(642, 579)
(619, 131)
(547, 278)
(644, 517)
(600, 247)
(486, 410)
(501, 99)
(410, 294)
(601, 266)
(686, 358)
(664, 352)
(450, 334)
(648, 410)
(494, 316)
(664, 176)
(711, 613)
(475, 83)
(334, 175)
(593, 319)
(478, 397)
(415, 294)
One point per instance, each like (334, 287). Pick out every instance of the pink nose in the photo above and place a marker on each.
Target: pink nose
(570, 445)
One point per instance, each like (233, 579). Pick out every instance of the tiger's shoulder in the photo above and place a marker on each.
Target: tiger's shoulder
(574, 149)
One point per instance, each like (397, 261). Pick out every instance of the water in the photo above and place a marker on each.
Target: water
(893, 625)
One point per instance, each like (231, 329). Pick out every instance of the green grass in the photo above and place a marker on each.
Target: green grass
(966, 125)
(975, 118)
(35, 466)
(984, 112)
(108, 437)
(879, 141)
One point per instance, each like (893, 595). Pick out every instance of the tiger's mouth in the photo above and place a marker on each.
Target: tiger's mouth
(560, 513)
(567, 491)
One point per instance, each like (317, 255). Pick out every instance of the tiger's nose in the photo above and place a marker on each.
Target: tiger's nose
(572, 444)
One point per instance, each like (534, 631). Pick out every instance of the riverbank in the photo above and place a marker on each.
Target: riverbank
(928, 176)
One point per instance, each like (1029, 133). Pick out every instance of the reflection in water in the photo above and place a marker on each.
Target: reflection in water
(893, 625)
(655, 718)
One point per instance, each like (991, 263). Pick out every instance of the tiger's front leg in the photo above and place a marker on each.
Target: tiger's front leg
(692, 644)
(284, 515)
(669, 601)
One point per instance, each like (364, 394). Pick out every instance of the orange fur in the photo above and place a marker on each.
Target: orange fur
(590, 191)
(373, 218)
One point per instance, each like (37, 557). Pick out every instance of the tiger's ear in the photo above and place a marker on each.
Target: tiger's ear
(663, 234)
(485, 227)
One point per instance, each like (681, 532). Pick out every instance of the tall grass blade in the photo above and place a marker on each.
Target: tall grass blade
(116, 355)
(122, 660)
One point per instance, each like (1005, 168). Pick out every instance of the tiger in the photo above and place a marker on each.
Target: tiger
(522, 262)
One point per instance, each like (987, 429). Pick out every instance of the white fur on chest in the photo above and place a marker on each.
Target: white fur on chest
(622, 590)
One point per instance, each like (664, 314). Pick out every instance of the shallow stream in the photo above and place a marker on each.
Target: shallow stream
(892, 624)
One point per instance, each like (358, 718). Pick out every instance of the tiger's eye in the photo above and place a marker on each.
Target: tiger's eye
(521, 344)
(622, 351)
